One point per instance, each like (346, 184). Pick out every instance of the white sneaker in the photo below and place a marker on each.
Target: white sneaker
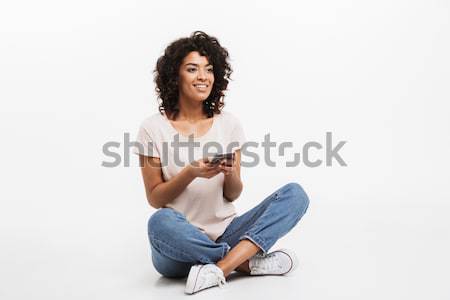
(204, 276)
(278, 262)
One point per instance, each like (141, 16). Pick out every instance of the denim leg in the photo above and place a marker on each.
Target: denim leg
(178, 243)
(169, 267)
(270, 220)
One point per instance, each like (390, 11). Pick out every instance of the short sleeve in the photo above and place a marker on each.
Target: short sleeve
(237, 135)
(146, 142)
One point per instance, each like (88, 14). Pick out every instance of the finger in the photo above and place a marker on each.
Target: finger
(212, 172)
(228, 163)
(209, 175)
(212, 166)
(216, 167)
(226, 168)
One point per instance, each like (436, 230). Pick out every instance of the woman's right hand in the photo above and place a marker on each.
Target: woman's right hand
(202, 168)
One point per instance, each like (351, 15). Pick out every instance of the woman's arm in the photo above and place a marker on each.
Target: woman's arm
(158, 192)
(232, 186)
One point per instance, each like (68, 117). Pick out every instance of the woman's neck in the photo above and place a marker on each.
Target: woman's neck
(190, 111)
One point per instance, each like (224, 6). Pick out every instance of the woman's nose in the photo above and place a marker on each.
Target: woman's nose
(201, 74)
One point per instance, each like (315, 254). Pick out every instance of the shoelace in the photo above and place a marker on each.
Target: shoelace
(266, 263)
(221, 282)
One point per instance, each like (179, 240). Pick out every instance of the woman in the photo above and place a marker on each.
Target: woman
(196, 232)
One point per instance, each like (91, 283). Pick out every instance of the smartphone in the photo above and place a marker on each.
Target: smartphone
(227, 157)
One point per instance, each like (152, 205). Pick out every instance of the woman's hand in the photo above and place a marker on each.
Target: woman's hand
(202, 168)
(232, 186)
(228, 167)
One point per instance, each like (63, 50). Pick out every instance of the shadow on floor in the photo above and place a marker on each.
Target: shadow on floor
(166, 282)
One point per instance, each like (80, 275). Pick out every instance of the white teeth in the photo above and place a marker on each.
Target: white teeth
(200, 85)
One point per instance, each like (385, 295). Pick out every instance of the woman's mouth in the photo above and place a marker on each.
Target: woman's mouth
(201, 86)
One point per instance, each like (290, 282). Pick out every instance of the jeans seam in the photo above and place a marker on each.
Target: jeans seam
(256, 240)
(245, 224)
(225, 250)
(153, 240)
(301, 214)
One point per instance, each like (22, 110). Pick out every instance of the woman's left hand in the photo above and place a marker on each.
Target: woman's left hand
(227, 170)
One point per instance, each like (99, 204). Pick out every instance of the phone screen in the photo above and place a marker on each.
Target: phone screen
(227, 157)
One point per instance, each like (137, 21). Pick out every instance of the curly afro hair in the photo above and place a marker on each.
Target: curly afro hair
(167, 68)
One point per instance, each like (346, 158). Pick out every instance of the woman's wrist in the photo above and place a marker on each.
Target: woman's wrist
(232, 186)
(190, 171)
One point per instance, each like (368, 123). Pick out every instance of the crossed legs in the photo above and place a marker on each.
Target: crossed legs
(255, 231)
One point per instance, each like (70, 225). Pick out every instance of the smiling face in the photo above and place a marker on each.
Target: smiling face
(196, 77)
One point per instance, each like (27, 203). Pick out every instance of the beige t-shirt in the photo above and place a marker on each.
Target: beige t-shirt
(202, 202)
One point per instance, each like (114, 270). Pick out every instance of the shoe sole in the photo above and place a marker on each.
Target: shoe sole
(292, 257)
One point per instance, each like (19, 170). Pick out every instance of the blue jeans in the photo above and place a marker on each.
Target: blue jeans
(176, 244)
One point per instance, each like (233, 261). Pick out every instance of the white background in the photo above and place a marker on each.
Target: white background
(77, 74)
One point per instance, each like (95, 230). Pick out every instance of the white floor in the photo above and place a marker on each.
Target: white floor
(77, 75)
(374, 252)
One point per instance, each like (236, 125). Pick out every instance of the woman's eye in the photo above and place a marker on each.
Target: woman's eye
(210, 70)
(191, 69)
